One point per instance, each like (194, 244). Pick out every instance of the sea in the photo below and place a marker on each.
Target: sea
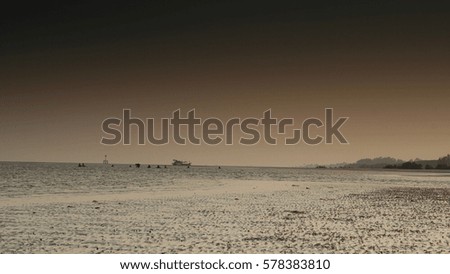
(22, 179)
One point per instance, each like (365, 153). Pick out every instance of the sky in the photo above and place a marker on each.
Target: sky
(384, 64)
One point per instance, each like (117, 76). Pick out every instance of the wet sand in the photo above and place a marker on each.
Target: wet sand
(232, 216)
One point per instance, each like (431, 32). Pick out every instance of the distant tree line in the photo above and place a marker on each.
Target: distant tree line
(406, 165)
(378, 162)
(414, 165)
(392, 163)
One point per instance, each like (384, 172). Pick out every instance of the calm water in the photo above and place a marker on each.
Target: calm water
(24, 179)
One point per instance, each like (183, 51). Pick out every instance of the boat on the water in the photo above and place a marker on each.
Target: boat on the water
(180, 163)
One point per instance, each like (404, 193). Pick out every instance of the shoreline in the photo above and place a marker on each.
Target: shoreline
(169, 165)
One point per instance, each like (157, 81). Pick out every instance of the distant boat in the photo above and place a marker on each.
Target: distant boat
(180, 163)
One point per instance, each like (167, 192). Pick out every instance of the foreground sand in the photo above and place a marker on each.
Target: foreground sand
(234, 217)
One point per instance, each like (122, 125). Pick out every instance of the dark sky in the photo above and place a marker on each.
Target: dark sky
(65, 68)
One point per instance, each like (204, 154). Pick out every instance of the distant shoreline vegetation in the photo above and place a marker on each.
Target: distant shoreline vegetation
(392, 163)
